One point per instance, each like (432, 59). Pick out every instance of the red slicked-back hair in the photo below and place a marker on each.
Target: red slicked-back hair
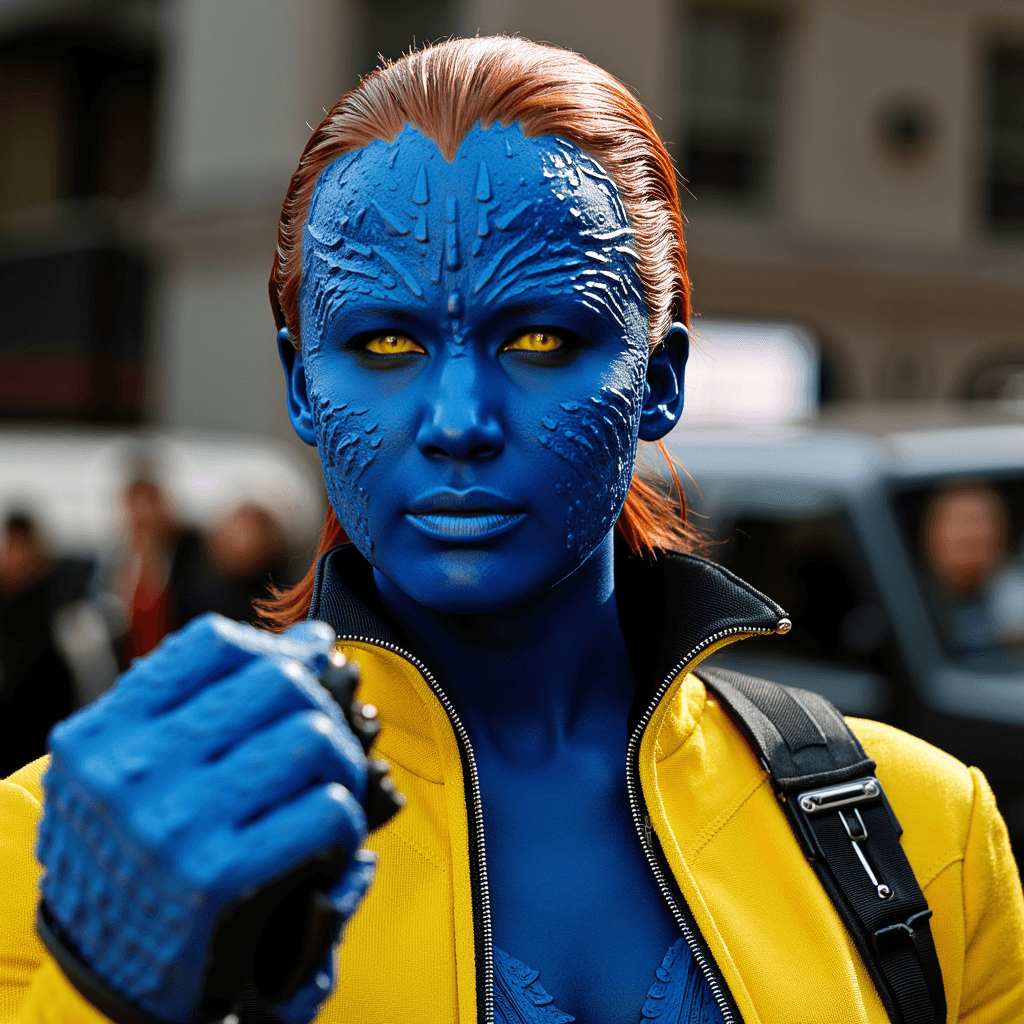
(443, 91)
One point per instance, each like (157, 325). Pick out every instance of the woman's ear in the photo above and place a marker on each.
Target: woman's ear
(663, 388)
(300, 412)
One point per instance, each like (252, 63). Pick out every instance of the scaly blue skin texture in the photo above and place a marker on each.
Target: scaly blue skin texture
(215, 765)
(460, 255)
(483, 483)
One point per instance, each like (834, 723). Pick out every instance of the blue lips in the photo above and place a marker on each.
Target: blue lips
(465, 526)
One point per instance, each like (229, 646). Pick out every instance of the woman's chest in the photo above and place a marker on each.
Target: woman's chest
(572, 895)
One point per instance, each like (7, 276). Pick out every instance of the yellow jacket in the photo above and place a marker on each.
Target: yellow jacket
(413, 953)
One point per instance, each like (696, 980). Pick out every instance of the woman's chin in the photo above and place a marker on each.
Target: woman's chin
(471, 581)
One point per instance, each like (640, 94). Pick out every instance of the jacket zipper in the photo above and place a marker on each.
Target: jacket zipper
(642, 821)
(478, 885)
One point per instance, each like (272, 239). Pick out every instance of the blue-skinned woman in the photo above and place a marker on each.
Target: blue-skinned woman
(481, 302)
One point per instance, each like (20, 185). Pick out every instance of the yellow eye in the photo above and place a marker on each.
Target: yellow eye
(393, 345)
(534, 341)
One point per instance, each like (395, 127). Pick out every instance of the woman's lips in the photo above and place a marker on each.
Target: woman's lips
(475, 501)
(476, 524)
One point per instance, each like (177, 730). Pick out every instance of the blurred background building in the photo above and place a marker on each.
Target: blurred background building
(854, 168)
(854, 187)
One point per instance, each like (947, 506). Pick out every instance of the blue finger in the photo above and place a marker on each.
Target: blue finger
(185, 663)
(316, 638)
(146, 755)
(351, 888)
(214, 720)
(282, 760)
(208, 647)
(266, 769)
(321, 818)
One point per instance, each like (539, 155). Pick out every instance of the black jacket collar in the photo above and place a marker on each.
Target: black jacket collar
(669, 606)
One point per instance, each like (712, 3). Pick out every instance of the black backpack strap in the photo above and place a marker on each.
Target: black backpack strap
(839, 812)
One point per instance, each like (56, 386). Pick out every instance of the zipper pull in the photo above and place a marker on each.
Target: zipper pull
(647, 830)
(783, 626)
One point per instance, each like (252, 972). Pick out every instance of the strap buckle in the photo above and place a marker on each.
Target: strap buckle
(843, 799)
(830, 798)
(893, 936)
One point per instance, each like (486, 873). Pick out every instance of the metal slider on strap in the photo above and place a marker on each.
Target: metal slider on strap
(828, 798)
(885, 940)
(843, 799)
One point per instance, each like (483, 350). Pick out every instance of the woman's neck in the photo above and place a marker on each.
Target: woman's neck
(531, 679)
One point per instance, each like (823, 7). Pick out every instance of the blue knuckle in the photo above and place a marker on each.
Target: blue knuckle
(348, 814)
(83, 729)
(315, 732)
(337, 742)
(94, 772)
(111, 772)
(212, 633)
(321, 723)
(316, 634)
(206, 623)
(203, 631)
(306, 645)
(297, 676)
(313, 694)
(61, 740)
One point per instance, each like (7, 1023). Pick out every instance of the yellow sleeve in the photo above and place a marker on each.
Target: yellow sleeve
(993, 978)
(32, 988)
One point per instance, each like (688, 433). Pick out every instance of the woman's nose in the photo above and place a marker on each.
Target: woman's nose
(459, 420)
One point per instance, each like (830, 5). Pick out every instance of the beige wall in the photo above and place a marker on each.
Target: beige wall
(244, 78)
(850, 57)
(627, 38)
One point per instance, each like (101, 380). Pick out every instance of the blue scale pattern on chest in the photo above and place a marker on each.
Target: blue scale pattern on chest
(679, 995)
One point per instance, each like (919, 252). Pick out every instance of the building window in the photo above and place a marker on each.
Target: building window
(77, 117)
(730, 124)
(1003, 195)
(71, 342)
(75, 141)
(388, 28)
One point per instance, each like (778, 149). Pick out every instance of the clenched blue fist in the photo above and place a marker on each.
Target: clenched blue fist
(215, 768)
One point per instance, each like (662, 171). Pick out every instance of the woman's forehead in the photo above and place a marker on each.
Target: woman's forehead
(510, 214)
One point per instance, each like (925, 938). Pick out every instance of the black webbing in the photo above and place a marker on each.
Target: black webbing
(805, 745)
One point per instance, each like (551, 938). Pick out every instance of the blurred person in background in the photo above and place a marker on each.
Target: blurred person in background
(163, 575)
(965, 541)
(235, 565)
(35, 685)
(144, 577)
(167, 572)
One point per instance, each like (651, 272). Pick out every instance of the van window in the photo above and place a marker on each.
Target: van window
(840, 644)
(966, 537)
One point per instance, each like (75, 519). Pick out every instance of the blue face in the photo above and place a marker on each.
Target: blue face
(475, 341)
